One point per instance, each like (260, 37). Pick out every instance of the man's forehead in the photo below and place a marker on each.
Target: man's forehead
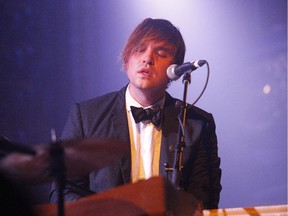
(159, 43)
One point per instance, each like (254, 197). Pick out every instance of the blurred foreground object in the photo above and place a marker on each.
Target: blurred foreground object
(80, 157)
(155, 196)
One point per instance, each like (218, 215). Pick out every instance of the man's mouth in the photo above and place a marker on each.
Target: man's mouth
(145, 72)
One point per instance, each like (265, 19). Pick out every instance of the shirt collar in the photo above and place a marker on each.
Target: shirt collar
(130, 101)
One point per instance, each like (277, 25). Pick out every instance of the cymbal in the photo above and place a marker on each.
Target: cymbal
(80, 157)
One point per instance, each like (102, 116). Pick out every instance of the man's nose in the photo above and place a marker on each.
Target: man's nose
(148, 57)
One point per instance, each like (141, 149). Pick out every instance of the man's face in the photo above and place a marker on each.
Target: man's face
(146, 67)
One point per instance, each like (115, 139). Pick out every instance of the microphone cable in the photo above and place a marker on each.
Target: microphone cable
(205, 85)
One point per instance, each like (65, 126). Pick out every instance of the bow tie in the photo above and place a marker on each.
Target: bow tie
(140, 114)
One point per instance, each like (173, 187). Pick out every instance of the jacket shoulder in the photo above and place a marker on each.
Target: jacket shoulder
(199, 113)
(103, 101)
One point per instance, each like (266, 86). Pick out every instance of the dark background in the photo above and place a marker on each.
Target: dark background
(54, 53)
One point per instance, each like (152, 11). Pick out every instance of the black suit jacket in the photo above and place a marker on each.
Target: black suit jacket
(105, 117)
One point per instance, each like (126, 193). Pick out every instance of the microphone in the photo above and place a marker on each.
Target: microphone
(174, 71)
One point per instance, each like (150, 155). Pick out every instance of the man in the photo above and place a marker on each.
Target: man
(153, 46)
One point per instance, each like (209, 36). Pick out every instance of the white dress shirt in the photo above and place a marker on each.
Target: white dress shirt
(145, 139)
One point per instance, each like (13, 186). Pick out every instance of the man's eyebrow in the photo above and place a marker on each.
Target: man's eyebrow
(164, 44)
(166, 48)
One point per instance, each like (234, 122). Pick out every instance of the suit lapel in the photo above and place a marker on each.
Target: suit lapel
(169, 134)
(121, 131)
(119, 118)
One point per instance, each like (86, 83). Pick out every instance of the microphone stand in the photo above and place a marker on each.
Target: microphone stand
(178, 156)
(58, 171)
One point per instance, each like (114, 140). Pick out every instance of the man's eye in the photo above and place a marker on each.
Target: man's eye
(163, 53)
(140, 48)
